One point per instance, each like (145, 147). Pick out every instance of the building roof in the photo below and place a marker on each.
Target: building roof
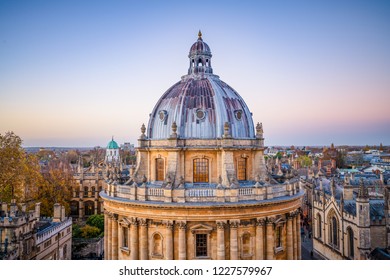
(112, 145)
(200, 104)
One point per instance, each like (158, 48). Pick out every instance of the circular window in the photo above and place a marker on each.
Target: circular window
(200, 114)
(162, 115)
(238, 114)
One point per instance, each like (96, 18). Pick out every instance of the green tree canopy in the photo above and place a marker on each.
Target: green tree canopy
(96, 221)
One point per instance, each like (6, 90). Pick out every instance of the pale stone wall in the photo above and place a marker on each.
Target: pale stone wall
(177, 225)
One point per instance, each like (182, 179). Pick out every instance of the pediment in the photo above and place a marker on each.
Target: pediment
(201, 228)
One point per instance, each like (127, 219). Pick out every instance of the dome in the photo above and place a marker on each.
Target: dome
(199, 47)
(112, 145)
(201, 104)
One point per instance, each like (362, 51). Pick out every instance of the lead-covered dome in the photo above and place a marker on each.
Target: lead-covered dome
(201, 105)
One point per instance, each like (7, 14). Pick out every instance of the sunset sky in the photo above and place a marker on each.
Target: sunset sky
(74, 73)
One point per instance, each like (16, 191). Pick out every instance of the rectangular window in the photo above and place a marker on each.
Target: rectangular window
(201, 245)
(278, 238)
(125, 237)
(201, 170)
(159, 169)
(241, 170)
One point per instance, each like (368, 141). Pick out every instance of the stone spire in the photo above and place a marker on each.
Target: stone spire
(363, 191)
(333, 187)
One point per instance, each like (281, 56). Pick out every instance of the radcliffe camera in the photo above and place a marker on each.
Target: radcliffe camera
(161, 132)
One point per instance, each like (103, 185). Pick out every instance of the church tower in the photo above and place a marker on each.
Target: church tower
(363, 215)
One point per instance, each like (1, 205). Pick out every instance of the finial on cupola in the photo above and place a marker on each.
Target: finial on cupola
(200, 35)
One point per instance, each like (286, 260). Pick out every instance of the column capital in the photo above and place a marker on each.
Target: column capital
(290, 215)
(134, 221)
(168, 224)
(260, 222)
(181, 224)
(270, 220)
(143, 222)
(221, 224)
(114, 217)
(234, 223)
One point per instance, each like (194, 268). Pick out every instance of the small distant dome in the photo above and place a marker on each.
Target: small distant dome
(112, 145)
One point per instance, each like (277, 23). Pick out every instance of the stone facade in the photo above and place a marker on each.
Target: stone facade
(351, 224)
(26, 235)
(86, 200)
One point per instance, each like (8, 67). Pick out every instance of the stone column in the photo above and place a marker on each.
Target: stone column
(95, 204)
(260, 239)
(290, 255)
(295, 236)
(109, 238)
(81, 208)
(134, 239)
(114, 225)
(221, 240)
(144, 250)
(182, 240)
(299, 236)
(233, 239)
(270, 239)
(105, 235)
(169, 240)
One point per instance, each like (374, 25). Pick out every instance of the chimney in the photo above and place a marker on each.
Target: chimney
(62, 213)
(38, 210)
(24, 207)
(57, 212)
(381, 178)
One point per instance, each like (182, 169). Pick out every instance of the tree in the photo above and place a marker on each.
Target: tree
(19, 172)
(305, 161)
(88, 231)
(56, 187)
(96, 221)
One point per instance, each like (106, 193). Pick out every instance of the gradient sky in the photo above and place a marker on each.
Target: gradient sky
(74, 73)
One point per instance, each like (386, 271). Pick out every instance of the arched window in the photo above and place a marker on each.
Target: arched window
(200, 63)
(207, 63)
(333, 232)
(157, 245)
(160, 169)
(319, 226)
(201, 170)
(89, 208)
(74, 208)
(351, 251)
(241, 169)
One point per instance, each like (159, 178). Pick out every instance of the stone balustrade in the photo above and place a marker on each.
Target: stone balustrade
(202, 193)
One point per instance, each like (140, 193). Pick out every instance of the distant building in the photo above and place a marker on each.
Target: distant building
(86, 200)
(112, 152)
(27, 236)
